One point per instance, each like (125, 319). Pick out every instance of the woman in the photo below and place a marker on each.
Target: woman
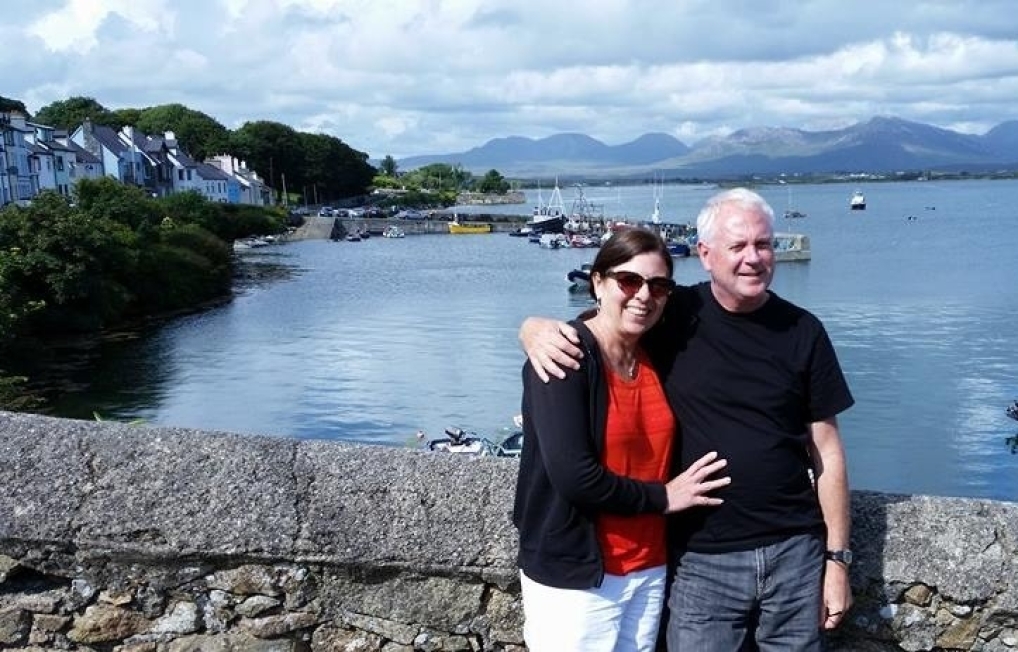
(593, 483)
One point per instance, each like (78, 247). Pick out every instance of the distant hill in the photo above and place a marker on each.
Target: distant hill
(883, 144)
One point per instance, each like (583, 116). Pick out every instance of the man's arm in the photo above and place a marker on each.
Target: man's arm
(832, 489)
(551, 345)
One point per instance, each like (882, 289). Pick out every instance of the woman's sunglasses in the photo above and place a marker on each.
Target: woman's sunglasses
(631, 282)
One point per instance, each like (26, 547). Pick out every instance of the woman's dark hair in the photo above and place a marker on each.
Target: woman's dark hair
(626, 244)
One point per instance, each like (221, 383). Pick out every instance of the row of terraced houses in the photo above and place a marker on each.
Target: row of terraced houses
(36, 157)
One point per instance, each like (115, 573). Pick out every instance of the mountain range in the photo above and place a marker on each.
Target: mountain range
(881, 145)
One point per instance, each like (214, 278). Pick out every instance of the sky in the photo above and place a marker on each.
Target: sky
(421, 77)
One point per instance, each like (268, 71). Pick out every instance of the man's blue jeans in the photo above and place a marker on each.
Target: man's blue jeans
(767, 599)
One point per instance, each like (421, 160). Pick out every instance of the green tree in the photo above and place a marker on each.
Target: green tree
(107, 198)
(198, 134)
(70, 113)
(388, 166)
(439, 176)
(270, 148)
(72, 267)
(493, 182)
(122, 117)
(8, 104)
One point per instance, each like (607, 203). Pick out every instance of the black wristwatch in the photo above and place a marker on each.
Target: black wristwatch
(840, 556)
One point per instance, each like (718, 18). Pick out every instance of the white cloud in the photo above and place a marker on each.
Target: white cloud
(433, 76)
(74, 26)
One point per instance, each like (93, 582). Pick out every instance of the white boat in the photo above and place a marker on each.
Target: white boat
(791, 213)
(858, 201)
(791, 247)
(393, 232)
(553, 241)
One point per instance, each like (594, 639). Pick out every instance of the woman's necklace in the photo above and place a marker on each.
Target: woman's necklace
(626, 370)
(630, 373)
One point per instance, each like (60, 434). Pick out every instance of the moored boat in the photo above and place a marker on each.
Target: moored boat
(549, 217)
(790, 247)
(553, 241)
(393, 232)
(579, 279)
(792, 213)
(858, 201)
(678, 248)
(468, 227)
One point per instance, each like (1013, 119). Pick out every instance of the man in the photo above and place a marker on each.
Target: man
(756, 379)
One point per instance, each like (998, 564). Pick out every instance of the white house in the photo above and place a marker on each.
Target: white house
(51, 159)
(251, 189)
(41, 165)
(215, 184)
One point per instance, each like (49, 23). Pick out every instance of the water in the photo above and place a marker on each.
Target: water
(372, 341)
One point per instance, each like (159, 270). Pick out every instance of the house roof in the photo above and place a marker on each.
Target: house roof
(150, 144)
(184, 159)
(211, 172)
(82, 154)
(109, 139)
(54, 145)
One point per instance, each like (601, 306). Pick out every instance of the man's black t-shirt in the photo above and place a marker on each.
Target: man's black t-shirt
(748, 386)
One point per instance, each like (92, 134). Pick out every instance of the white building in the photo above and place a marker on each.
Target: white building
(251, 188)
(17, 186)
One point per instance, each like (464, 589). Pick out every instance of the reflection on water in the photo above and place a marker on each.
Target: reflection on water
(372, 341)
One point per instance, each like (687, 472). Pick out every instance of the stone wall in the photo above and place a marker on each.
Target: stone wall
(137, 539)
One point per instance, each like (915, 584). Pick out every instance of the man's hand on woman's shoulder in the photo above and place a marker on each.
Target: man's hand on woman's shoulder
(552, 346)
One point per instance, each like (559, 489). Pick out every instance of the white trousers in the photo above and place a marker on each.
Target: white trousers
(622, 615)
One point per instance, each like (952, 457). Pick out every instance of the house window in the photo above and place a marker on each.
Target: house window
(189, 175)
(60, 164)
(180, 174)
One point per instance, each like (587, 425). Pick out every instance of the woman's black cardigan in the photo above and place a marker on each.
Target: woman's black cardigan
(562, 485)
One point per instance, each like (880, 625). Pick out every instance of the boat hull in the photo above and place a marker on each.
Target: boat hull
(548, 224)
(462, 229)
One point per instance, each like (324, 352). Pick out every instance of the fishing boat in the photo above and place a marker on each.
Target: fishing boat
(858, 201)
(393, 232)
(549, 217)
(471, 227)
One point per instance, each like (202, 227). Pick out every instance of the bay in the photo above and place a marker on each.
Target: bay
(375, 340)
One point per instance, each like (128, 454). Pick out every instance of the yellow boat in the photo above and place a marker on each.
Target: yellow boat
(472, 227)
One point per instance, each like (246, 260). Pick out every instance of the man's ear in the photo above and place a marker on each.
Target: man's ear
(704, 252)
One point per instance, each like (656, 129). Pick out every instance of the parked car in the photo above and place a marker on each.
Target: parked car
(410, 214)
(325, 211)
